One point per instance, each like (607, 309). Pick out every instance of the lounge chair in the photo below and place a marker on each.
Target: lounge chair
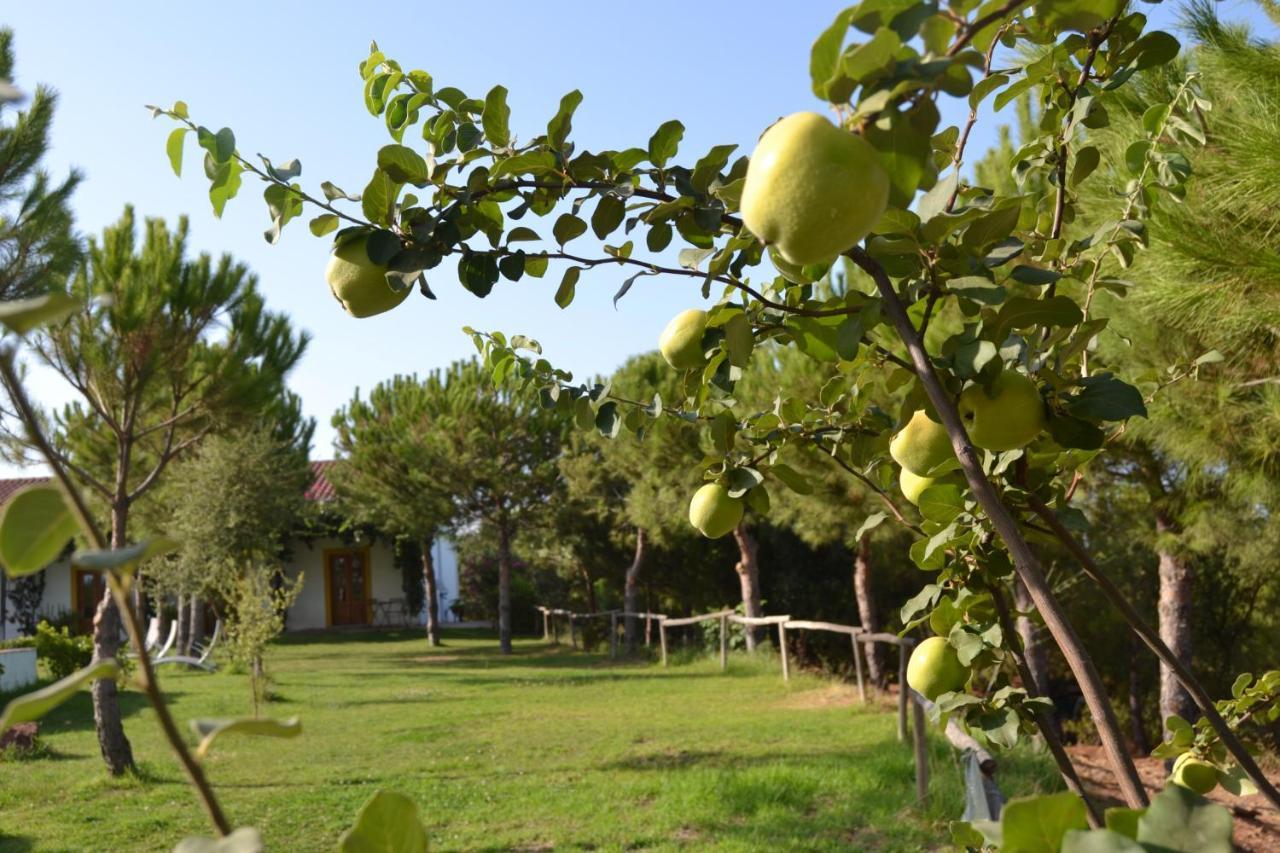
(205, 652)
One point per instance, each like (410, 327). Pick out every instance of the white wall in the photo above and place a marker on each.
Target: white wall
(57, 597)
(19, 667)
(308, 611)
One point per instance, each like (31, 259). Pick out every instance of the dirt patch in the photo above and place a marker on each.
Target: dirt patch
(1257, 823)
(839, 696)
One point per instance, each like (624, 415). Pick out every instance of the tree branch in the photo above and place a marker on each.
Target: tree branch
(1152, 640)
(1024, 559)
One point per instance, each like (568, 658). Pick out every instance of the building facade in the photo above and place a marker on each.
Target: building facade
(345, 583)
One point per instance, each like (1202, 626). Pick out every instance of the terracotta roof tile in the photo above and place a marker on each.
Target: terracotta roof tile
(321, 489)
(9, 488)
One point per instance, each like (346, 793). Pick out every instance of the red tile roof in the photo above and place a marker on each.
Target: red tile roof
(9, 488)
(321, 489)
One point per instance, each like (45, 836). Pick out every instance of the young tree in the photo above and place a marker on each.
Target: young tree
(391, 452)
(165, 350)
(233, 504)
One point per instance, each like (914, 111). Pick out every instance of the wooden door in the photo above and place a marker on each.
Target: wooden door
(89, 589)
(347, 573)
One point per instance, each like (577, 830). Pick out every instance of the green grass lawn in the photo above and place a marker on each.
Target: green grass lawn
(548, 749)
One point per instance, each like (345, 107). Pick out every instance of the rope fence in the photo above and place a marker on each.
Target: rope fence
(983, 799)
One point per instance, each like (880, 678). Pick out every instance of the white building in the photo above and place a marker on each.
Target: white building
(345, 583)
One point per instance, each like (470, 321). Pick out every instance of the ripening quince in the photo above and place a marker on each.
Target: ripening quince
(913, 486)
(1008, 417)
(935, 669)
(923, 446)
(812, 189)
(1078, 15)
(358, 283)
(1194, 773)
(713, 512)
(681, 341)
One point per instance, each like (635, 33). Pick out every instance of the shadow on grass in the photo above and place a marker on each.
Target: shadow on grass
(15, 843)
(76, 714)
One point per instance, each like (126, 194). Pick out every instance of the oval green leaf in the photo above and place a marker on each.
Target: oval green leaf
(34, 528)
(33, 706)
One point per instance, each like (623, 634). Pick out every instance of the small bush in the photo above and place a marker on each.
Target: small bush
(62, 653)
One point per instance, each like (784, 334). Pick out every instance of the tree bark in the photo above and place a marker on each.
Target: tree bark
(504, 588)
(1025, 561)
(1176, 578)
(183, 615)
(748, 569)
(868, 613)
(1033, 647)
(117, 752)
(589, 586)
(432, 595)
(631, 589)
(197, 624)
(1137, 722)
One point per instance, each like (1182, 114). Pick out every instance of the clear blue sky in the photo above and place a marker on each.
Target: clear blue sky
(283, 76)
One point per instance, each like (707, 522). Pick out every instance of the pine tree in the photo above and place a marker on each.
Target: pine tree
(164, 351)
(390, 454)
(37, 242)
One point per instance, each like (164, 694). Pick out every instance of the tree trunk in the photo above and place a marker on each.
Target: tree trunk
(748, 569)
(1033, 647)
(1175, 622)
(1137, 722)
(183, 615)
(589, 587)
(868, 614)
(162, 625)
(197, 624)
(117, 752)
(432, 595)
(631, 590)
(504, 588)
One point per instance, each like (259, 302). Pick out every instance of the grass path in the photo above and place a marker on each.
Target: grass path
(548, 749)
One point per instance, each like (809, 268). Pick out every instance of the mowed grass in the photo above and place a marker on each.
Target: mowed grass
(548, 749)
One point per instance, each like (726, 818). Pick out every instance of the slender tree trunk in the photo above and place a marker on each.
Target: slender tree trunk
(197, 624)
(140, 596)
(589, 588)
(868, 613)
(1175, 622)
(432, 595)
(183, 615)
(504, 588)
(117, 752)
(631, 589)
(748, 569)
(1137, 722)
(1033, 646)
(162, 625)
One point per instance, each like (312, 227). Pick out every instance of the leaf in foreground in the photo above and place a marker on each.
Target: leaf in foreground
(388, 823)
(210, 730)
(34, 528)
(33, 706)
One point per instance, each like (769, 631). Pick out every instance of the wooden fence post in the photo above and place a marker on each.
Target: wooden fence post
(782, 644)
(648, 629)
(573, 632)
(613, 634)
(662, 637)
(921, 752)
(857, 668)
(546, 625)
(724, 642)
(902, 691)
